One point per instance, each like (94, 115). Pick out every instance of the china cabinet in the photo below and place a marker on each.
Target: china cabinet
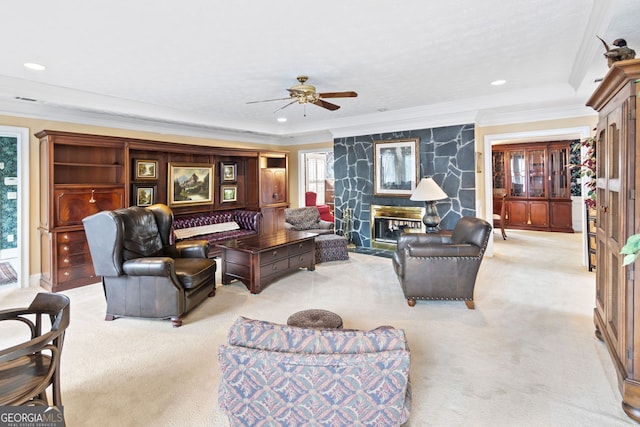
(536, 181)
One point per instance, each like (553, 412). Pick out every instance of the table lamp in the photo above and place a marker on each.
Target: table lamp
(428, 192)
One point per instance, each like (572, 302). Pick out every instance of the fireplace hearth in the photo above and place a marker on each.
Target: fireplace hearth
(389, 222)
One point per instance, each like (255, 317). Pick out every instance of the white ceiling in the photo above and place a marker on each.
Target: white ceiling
(191, 67)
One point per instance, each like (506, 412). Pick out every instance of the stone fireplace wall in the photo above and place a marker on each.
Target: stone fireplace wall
(447, 154)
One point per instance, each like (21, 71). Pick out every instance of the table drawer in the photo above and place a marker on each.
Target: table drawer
(300, 260)
(301, 247)
(274, 268)
(272, 255)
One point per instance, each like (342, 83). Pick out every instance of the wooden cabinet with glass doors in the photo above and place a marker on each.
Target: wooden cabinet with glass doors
(617, 296)
(536, 180)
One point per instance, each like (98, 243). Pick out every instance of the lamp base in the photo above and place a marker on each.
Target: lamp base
(431, 219)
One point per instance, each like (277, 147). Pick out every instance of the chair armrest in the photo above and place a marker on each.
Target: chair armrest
(192, 248)
(325, 225)
(464, 250)
(152, 266)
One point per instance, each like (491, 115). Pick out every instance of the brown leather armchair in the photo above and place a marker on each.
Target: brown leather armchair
(442, 266)
(143, 273)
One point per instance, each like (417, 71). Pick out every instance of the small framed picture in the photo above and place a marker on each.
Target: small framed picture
(146, 169)
(228, 193)
(144, 195)
(228, 172)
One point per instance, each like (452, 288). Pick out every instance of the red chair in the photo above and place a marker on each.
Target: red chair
(310, 198)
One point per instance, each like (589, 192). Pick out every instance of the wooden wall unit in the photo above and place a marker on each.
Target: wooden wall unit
(537, 182)
(274, 190)
(83, 174)
(617, 310)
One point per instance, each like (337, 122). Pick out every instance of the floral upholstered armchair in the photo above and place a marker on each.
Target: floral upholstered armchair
(306, 219)
(297, 376)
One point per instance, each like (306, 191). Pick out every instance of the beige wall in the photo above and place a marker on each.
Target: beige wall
(36, 125)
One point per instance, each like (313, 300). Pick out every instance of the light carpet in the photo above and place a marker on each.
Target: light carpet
(526, 356)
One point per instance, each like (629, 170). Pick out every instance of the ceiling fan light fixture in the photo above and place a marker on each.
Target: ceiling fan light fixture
(303, 93)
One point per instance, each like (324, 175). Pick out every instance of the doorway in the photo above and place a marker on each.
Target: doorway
(317, 176)
(14, 206)
(580, 133)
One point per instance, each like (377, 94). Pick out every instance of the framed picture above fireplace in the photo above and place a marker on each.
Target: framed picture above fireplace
(396, 167)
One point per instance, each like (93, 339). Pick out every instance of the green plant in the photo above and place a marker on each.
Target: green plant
(588, 169)
(631, 250)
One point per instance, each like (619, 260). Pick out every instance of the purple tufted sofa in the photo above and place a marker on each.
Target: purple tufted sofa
(283, 375)
(227, 225)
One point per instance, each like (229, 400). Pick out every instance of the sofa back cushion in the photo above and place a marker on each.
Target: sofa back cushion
(302, 218)
(262, 335)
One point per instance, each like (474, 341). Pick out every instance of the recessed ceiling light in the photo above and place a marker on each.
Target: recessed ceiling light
(34, 66)
(498, 82)
(382, 109)
(282, 119)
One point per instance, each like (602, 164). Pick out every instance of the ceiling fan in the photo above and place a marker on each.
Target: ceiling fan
(304, 93)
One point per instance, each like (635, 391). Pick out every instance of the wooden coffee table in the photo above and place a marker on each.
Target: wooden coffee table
(259, 260)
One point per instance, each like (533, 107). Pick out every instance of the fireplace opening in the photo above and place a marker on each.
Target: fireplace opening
(389, 222)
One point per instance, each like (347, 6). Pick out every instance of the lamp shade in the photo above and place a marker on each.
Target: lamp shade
(428, 190)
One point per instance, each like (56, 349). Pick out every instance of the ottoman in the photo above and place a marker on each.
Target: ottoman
(315, 318)
(331, 247)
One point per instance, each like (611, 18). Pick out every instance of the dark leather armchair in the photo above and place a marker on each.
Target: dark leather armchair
(28, 368)
(143, 273)
(442, 266)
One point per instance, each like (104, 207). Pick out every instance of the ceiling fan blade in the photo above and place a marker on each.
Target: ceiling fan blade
(327, 105)
(282, 108)
(269, 100)
(349, 94)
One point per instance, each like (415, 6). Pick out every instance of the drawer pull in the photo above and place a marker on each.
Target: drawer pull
(274, 267)
(274, 253)
(66, 273)
(65, 248)
(65, 237)
(66, 260)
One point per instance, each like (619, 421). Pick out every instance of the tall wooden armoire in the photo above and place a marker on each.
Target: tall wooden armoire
(617, 311)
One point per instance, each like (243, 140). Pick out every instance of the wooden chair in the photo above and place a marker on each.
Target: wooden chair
(29, 368)
(501, 207)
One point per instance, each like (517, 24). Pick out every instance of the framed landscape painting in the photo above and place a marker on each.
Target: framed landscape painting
(396, 166)
(145, 195)
(229, 193)
(228, 172)
(146, 169)
(190, 184)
